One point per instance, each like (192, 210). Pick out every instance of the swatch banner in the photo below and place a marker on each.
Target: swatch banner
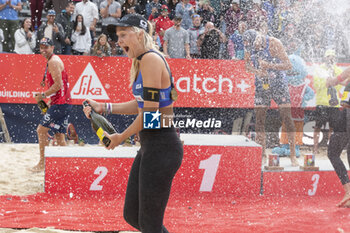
(200, 83)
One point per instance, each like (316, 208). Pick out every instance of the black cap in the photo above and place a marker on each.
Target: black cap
(46, 41)
(133, 20)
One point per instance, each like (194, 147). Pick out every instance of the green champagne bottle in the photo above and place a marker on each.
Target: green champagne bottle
(100, 125)
(332, 96)
(43, 106)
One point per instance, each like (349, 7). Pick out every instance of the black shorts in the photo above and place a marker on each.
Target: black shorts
(277, 90)
(324, 114)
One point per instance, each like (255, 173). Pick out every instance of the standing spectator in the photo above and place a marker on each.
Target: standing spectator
(235, 43)
(314, 44)
(25, 38)
(111, 12)
(256, 16)
(36, 10)
(171, 8)
(80, 37)
(194, 32)
(65, 19)
(268, 6)
(232, 17)
(1, 39)
(206, 12)
(9, 22)
(163, 23)
(152, 8)
(101, 48)
(59, 5)
(185, 10)
(129, 7)
(210, 41)
(53, 31)
(290, 40)
(325, 113)
(89, 12)
(176, 41)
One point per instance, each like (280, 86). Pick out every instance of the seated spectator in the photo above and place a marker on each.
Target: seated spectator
(51, 30)
(25, 38)
(1, 39)
(111, 13)
(163, 23)
(185, 10)
(210, 41)
(89, 11)
(290, 40)
(235, 43)
(171, 8)
(128, 7)
(232, 17)
(206, 12)
(80, 37)
(256, 15)
(196, 30)
(153, 8)
(101, 48)
(176, 41)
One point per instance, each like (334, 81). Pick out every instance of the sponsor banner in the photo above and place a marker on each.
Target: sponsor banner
(200, 83)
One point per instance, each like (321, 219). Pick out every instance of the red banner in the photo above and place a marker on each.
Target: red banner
(200, 83)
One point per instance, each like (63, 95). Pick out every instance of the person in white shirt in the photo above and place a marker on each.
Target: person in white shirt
(89, 11)
(80, 37)
(25, 38)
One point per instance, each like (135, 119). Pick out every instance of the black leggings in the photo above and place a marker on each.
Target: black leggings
(338, 141)
(150, 179)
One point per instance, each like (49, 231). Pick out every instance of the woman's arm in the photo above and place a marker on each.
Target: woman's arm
(151, 69)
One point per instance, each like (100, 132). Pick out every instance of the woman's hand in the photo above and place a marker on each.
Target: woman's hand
(116, 140)
(98, 107)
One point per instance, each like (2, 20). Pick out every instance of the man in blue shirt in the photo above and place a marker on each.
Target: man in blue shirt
(9, 22)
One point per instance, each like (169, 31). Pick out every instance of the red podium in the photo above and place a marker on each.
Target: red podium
(212, 165)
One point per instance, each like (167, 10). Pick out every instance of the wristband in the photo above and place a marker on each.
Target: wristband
(108, 108)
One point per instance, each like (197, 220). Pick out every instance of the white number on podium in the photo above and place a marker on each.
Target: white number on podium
(315, 178)
(211, 166)
(102, 172)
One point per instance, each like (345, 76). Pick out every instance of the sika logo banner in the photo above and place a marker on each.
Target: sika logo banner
(89, 86)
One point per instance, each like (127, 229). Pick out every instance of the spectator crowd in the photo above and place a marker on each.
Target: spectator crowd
(210, 29)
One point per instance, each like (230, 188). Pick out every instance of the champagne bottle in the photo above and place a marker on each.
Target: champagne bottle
(43, 106)
(100, 125)
(345, 99)
(332, 96)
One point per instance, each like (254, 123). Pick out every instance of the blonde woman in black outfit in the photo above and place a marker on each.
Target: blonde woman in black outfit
(161, 151)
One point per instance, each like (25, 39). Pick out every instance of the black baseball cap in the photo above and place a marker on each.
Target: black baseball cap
(133, 20)
(46, 41)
